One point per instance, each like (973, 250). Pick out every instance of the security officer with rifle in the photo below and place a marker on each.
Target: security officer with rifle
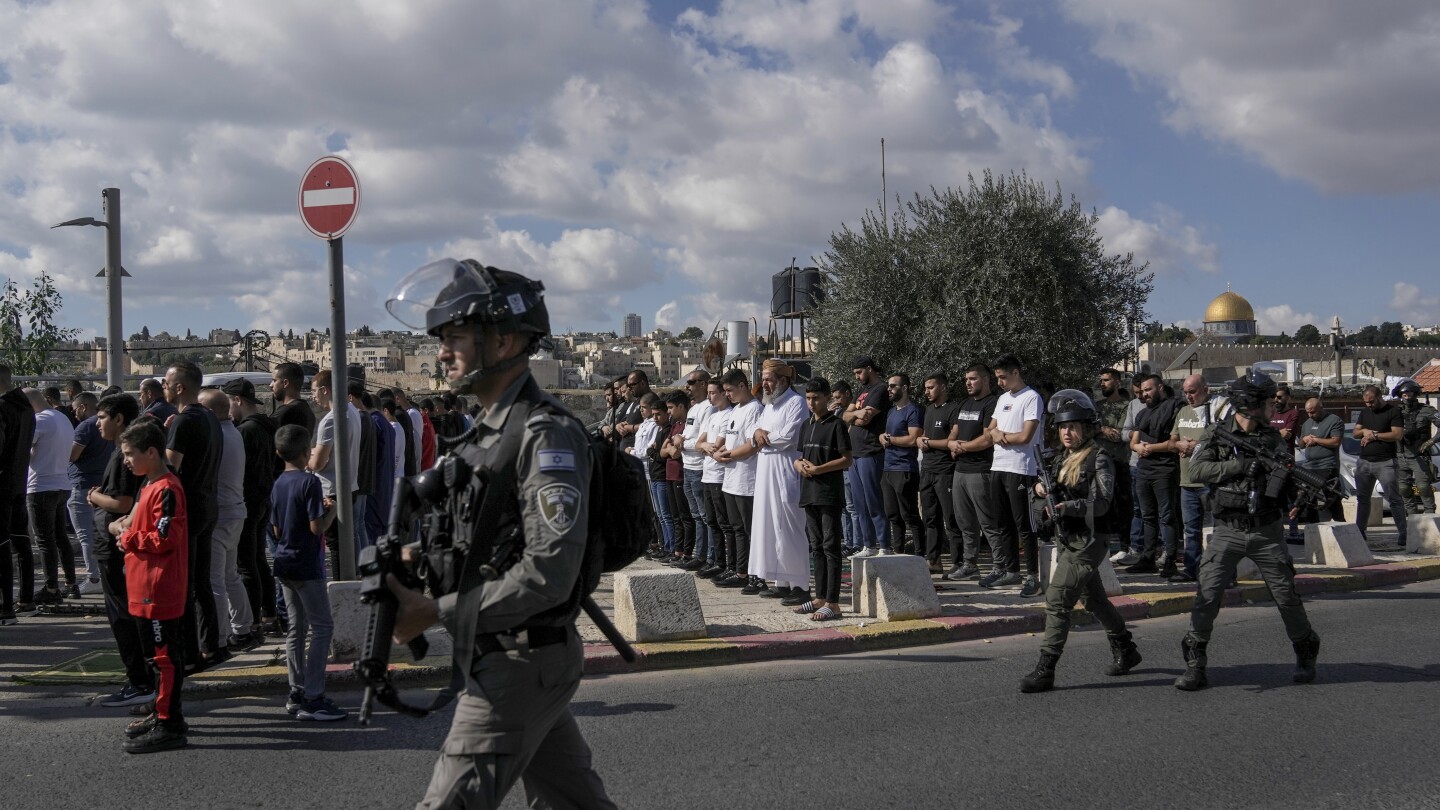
(1416, 480)
(1252, 478)
(1077, 488)
(517, 513)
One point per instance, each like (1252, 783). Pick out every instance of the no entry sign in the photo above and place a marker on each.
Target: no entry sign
(329, 197)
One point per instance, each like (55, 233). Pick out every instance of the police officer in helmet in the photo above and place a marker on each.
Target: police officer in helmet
(514, 635)
(1416, 480)
(1247, 512)
(1084, 478)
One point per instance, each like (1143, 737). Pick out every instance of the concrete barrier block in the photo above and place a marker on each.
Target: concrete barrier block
(862, 590)
(1108, 576)
(1423, 534)
(902, 588)
(1337, 545)
(1245, 570)
(1377, 510)
(352, 620)
(658, 606)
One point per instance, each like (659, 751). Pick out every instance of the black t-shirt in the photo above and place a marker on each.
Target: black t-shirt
(938, 421)
(365, 464)
(195, 433)
(820, 443)
(117, 482)
(865, 439)
(1156, 424)
(972, 416)
(1381, 421)
(296, 412)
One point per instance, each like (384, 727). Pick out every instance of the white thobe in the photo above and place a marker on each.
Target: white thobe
(778, 549)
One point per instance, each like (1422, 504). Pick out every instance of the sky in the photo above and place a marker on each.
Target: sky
(668, 158)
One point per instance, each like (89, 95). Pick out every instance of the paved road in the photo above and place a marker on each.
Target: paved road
(938, 726)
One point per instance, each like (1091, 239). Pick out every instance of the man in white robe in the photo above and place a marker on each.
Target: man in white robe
(778, 548)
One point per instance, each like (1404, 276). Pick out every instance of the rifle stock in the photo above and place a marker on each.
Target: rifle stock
(1314, 489)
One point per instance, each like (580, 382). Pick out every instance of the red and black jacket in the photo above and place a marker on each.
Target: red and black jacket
(157, 551)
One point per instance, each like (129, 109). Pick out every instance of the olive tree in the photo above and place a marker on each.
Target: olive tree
(960, 276)
(27, 326)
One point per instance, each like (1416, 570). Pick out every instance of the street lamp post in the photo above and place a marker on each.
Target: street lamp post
(1335, 341)
(114, 337)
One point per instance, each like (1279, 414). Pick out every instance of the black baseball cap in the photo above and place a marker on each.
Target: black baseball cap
(865, 361)
(242, 388)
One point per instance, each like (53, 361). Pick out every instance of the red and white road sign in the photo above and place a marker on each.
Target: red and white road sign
(329, 197)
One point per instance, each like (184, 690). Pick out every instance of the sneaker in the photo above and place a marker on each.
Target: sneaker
(26, 608)
(734, 580)
(160, 737)
(1125, 558)
(321, 709)
(242, 644)
(8, 618)
(883, 552)
(1031, 587)
(1002, 580)
(90, 586)
(72, 591)
(1182, 577)
(694, 565)
(961, 572)
(129, 696)
(1142, 566)
(294, 701)
(989, 580)
(709, 572)
(48, 596)
(768, 592)
(277, 629)
(753, 586)
(797, 597)
(865, 552)
(137, 728)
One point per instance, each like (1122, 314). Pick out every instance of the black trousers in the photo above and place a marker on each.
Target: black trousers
(901, 491)
(1012, 514)
(717, 515)
(741, 509)
(201, 621)
(822, 527)
(117, 611)
(7, 563)
(681, 517)
(23, 547)
(47, 514)
(937, 508)
(250, 559)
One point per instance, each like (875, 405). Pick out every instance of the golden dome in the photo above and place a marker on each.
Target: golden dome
(1228, 306)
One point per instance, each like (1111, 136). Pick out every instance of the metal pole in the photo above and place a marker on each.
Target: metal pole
(114, 334)
(340, 409)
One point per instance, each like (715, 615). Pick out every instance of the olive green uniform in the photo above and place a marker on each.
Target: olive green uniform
(1081, 553)
(1415, 475)
(1239, 533)
(514, 636)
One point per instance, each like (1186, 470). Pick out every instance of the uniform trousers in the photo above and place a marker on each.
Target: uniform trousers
(1264, 545)
(1076, 576)
(1415, 474)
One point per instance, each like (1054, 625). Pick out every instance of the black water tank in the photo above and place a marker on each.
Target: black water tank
(808, 289)
(782, 291)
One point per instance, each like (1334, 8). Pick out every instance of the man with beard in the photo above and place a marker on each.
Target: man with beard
(778, 550)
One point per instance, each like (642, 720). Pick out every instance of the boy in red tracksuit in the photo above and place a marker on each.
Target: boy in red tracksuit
(155, 540)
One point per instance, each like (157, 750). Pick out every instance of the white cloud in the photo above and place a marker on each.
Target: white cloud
(1277, 319)
(1413, 306)
(1168, 244)
(1341, 95)
(665, 316)
(1017, 62)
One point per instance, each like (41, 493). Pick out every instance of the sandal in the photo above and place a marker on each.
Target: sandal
(808, 607)
(824, 614)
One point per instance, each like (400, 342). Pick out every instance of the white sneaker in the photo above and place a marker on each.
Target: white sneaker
(883, 552)
(1126, 558)
(90, 586)
(865, 552)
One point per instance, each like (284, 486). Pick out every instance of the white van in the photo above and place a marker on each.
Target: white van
(259, 379)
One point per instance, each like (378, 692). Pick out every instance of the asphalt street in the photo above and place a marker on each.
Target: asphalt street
(936, 726)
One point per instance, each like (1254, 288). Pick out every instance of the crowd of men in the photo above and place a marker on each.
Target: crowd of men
(737, 473)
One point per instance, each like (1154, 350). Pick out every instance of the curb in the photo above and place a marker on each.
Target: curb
(602, 659)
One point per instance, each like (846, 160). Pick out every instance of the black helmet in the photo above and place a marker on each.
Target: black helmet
(456, 292)
(1251, 390)
(1406, 387)
(1070, 405)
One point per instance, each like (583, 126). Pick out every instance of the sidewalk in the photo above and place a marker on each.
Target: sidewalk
(741, 628)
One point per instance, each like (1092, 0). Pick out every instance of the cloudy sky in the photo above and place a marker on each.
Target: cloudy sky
(667, 158)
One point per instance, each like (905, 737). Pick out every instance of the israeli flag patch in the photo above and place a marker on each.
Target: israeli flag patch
(557, 460)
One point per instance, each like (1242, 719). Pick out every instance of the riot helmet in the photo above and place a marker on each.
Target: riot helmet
(1252, 390)
(1070, 405)
(1406, 387)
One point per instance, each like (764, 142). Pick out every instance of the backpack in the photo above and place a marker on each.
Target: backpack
(620, 527)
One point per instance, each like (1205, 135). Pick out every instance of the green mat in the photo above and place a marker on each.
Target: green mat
(94, 667)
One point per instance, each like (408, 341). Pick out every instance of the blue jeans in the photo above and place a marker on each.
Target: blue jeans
(695, 496)
(870, 502)
(1387, 473)
(847, 516)
(309, 603)
(361, 531)
(82, 518)
(660, 498)
(1137, 525)
(1192, 514)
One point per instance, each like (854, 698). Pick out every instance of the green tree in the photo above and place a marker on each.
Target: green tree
(958, 276)
(1431, 339)
(1309, 335)
(691, 333)
(27, 326)
(1156, 333)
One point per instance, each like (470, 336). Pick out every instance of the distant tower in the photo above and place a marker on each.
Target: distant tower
(632, 326)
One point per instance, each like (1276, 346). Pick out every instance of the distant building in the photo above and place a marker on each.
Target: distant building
(1229, 318)
(632, 326)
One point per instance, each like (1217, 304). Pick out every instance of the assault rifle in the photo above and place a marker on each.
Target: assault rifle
(1053, 530)
(1274, 468)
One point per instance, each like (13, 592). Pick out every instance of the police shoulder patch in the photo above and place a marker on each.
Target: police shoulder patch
(551, 460)
(559, 506)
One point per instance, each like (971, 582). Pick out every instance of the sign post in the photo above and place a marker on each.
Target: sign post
(329, 198)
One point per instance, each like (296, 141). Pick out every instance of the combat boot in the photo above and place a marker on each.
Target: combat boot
(1306, 650)
(1126, 654)
(1194, 677)
(1043, 678)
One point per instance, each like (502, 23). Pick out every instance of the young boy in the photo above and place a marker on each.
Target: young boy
(825, 455)
(299, 516)
(155, 539)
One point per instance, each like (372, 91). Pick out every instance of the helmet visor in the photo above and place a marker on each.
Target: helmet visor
(1069, 399)
(438, 285)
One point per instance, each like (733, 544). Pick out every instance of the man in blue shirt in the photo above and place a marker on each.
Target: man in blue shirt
(88, 456)
(900, 477)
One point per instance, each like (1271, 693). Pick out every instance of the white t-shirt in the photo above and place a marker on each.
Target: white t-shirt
(325, 435)
(713, 472)
(694, 426)
(50, 460)
(739, 432)
(418, 429)
(399, 448)
(1012, 411)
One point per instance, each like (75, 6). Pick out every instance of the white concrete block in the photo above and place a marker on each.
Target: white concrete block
(1377, 510)
(1423, 534)
(1108, 577)
(861, 589)
(1245, 570)
(902, 588)
(352, 622)
(658, 606)
(1337, 545)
